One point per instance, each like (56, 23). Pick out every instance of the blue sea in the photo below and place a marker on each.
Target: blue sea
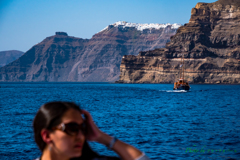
(203, 123)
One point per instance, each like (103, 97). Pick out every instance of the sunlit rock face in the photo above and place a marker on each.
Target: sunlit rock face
(65, 58)
(210, 43)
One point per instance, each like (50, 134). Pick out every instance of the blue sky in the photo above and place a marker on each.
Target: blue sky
(24, 23)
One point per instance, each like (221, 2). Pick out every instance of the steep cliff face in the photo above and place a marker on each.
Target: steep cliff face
(210, 43)
(9, 56)
(64, 58)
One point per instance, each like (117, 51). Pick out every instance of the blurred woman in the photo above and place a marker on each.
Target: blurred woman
(62, 133)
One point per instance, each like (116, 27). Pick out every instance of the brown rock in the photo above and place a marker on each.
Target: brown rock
(210, 43)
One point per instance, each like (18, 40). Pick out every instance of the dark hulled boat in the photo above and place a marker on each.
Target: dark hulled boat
(181, 85)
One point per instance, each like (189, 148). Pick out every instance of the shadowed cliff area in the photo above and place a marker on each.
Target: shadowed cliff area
(210, 43)
(9, 56)
(64, 58)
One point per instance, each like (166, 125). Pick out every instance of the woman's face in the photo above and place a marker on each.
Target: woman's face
(67, 145)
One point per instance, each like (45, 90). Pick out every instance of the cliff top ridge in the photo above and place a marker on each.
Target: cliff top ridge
(61, 33)
(229, 2)
(221, 2)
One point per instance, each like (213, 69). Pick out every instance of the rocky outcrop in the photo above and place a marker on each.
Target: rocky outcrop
(9, 56)
(210, 43)
(65, 58)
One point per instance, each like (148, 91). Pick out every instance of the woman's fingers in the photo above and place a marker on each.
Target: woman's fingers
(93, 132)
(89, 120)
(87, 115)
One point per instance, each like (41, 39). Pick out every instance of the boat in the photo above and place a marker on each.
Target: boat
(181, 84)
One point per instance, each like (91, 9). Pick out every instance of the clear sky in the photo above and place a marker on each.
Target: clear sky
(24, 23)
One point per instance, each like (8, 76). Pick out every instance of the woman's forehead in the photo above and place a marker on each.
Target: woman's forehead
(72, 115)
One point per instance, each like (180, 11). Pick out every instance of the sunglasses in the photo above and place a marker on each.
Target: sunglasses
(71, 128)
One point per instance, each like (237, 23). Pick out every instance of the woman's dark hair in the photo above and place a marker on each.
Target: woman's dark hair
(50, 115)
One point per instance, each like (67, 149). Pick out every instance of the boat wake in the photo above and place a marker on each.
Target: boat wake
(176, 91)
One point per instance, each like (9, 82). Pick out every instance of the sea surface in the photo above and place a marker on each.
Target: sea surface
(203, 123)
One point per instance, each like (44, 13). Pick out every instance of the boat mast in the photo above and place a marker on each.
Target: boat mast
(181, 70)
(183, 67)
(181, 75)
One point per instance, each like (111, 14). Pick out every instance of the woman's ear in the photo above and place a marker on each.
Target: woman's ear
(46, 136)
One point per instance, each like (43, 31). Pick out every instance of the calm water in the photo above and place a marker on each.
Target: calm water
(162, 123)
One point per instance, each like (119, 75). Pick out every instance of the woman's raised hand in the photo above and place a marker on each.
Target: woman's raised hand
(93, 133)
(125, 151)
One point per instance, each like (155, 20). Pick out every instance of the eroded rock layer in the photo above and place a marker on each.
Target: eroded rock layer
(210, 43)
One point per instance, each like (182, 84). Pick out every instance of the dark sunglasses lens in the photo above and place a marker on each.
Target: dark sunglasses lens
(73, 128)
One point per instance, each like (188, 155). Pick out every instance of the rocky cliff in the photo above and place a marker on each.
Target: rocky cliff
(65, 58)
(210, 43)
(9, 56)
